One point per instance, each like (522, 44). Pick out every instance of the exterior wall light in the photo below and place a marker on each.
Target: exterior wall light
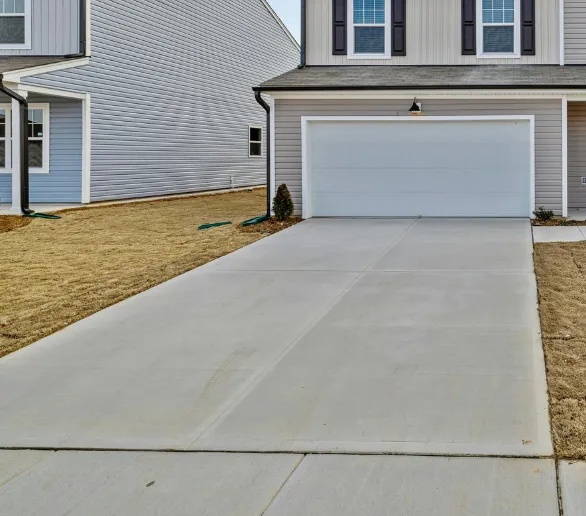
(416, 108)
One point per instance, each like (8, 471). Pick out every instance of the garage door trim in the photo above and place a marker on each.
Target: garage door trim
(305, 158)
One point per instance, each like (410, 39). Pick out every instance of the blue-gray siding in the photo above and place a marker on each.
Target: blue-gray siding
(63, 182)
(171, 93)
(54, 28)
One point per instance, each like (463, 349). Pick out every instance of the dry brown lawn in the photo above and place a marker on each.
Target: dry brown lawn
(55, 272)
(561, 276)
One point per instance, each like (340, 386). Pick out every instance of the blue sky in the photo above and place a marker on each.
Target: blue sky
(289, 12)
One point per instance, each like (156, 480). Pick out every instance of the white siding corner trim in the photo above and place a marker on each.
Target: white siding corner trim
(306, 145)
(564, 156)
(273, 151)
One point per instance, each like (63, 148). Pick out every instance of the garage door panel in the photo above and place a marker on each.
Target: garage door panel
(420, 168)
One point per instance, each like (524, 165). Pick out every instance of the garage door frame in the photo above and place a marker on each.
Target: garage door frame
(305, 148)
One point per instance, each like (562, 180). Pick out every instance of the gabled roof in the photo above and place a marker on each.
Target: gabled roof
(350, 77)
(13, 63)
(280, 22)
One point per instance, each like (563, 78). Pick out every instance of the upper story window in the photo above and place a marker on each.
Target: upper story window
(499, 28)
(369, 34)
(15, 19)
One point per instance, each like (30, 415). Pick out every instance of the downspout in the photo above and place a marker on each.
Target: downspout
(267, 108)
(303, 34)
(24, 168)
(82, 31)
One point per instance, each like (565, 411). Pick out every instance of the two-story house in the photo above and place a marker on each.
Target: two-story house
(434, 108)
(134, 99)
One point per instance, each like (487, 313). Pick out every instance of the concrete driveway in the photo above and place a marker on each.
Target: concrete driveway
(409, 336)
(415, 337)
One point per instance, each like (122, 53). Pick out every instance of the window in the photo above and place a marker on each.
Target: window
(4, 122)
(370, 29)
(14, 23)
(254, 141)
(36, 138)
(499, 27)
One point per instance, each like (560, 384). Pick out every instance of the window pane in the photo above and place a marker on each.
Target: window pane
(2, 154)
(19, 6)
(9, 6)
(499, 40)
(35, 115)
(35, 154)
(37, 131)
(255, 134)
(369, 40)
(255, 149)
(369, 12)
(12, 29)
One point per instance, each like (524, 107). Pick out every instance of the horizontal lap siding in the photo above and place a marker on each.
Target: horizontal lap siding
(171, 93)
(63, 182)
(54, 29)
(575, 31)
(576, 154)
(433, 36)
(548, 133)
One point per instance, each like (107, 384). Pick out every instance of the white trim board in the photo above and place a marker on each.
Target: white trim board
(564, 156)
(562, 30)
(306, 144)
(273, 174)
(17, 75)
(578, 95)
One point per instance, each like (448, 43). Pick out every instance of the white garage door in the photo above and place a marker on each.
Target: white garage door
(460, 168)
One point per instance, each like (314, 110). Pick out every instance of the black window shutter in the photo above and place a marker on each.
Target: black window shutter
(468, 27)
(528, 27)
(339, 27)
(399, 34)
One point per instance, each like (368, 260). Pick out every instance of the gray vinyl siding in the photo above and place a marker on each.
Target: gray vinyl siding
(576, 154)
(171, 93)
(548, 133)
(63, 182)
(575, 31)
(54, 29)
(434, 36)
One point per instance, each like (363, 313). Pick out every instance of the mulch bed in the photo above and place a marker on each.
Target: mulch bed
(558, 222)
(10, 222)
(271, 226)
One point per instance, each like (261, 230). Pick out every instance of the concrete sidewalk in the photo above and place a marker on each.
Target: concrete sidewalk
(559, 234)
(201, 484)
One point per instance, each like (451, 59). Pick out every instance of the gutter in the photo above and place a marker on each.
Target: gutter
(303, 34)
(24, 168)
(267, 108)
(82, 31)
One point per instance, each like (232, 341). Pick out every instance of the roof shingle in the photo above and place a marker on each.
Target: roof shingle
(428, 77)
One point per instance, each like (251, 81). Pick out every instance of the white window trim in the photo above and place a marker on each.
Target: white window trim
(255, 141)
(46, 138)
(516, 54)
(27, 45)
(351, 26)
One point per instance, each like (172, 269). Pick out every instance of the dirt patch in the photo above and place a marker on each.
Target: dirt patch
(8, 223)
(55, 272)
(559, 222)
(271, 226)
(561, 277)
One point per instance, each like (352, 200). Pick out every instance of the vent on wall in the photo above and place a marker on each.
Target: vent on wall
(584, 181)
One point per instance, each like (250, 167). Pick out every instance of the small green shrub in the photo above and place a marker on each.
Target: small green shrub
(542, 215)
(283, 204)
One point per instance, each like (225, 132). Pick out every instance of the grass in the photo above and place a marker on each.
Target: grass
(561, 276)
(56, 272)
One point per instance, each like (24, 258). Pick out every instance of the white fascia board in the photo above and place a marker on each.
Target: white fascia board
(17, 75)
(578, 94)
(43, 90)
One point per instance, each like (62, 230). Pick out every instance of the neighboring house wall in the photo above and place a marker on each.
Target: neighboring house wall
(434, 36)
(63, 182)
(576, 154)
(54, 28)
(575, 31)
(548, 129)
(171, 93)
